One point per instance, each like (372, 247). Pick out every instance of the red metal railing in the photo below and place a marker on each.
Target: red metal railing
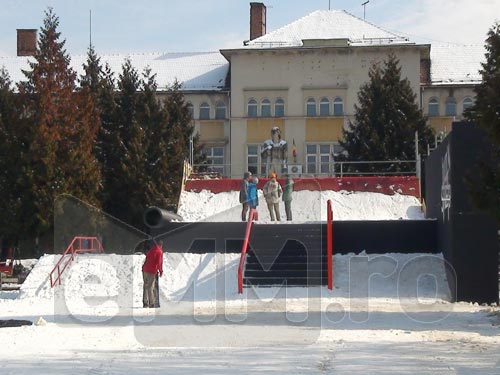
(329, 240)
(244, 249)
(7, 267)
(77, 246)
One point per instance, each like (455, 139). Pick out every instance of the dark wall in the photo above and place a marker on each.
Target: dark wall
(467, 237)
(373, 237)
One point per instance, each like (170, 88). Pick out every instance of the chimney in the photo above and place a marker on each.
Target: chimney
(26, 42)
(257, 20)
(425, 71)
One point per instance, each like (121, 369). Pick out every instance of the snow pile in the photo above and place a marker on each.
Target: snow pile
(206, 278)
(307, 206)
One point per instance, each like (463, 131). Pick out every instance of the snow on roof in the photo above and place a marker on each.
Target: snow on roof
(456, 64)
(197, 71)
(326, 24)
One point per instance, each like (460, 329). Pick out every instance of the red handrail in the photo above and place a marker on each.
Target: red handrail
(91, 245)
(244, 249)
(329, 240)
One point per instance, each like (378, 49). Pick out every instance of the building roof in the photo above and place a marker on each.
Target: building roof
(326, 24)
(453, 64)
(197, 71)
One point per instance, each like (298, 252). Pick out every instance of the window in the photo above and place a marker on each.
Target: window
(265, 108)
(220, 111)
(338, 107)
(311, 107)
(252, 108)
(311, 158)
(254, 163)
(204, 111)
(321, 158)
(451, 107)
(433, 107)
(215, 158)
(324, 107)
(279, 108)
(190, 109)
(467, 103)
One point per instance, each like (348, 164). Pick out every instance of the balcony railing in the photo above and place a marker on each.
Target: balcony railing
(332, 169)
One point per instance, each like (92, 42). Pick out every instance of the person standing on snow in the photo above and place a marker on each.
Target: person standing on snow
(153, 266)
(244, 195)
(253, 196)
(272, 193)
(287, 197)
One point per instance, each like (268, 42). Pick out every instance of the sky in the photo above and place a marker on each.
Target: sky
(125, 26)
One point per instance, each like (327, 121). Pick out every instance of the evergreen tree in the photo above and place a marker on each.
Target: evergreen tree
(386, 119)
(486, 114)
(180, 132)
(154, 120)
(125, 152)
(101, 84)
(12, 156)
(61, 151)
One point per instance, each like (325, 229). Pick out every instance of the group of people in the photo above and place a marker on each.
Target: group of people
(272, 193)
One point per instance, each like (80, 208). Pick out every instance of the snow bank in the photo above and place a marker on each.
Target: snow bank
(307, 206)
(207, 278)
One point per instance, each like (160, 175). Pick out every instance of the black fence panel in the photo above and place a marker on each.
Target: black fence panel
(466, 236)
(372, 237)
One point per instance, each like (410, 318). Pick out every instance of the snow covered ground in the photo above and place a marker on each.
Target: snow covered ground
(307, 206)
(388, 314)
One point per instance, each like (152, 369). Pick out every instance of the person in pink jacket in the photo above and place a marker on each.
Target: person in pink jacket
(153, 265)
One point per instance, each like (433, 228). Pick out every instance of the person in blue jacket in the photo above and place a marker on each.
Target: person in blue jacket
(253, 195)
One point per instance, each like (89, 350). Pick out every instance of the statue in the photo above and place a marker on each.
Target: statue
(274, 152)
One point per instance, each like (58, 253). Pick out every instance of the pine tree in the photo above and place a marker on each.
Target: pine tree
(12, 157)
(61, 151)
(101, 85)
(486, 114)
(386, 119)
(179, 133)
(154, 120)
(125, 155)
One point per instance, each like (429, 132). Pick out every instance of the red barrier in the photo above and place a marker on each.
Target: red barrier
(389, 185)
(77, 246)
(244, 249)
(7, 267)
(329, 239)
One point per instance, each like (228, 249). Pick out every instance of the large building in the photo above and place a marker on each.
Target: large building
(303, 78)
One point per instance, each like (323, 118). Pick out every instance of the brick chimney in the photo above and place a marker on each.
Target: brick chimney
(425, 71)
(26, 42)
(257, 20)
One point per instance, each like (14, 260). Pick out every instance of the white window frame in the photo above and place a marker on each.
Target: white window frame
(209, 152)
(252, 103)
(433, 103)
(338, 102)
(469, 104)
(311, 103)
(257, 168)
(219, 107)
(322, 103)
(450, 106)
(320, 162)
(279, 103)
(204, 107)
(265, 105)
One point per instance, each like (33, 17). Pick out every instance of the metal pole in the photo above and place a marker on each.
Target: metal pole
(364, 8)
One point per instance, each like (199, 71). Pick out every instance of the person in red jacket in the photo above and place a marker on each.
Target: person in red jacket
(153, 265)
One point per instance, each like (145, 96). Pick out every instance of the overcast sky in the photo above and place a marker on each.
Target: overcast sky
(126, 26)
